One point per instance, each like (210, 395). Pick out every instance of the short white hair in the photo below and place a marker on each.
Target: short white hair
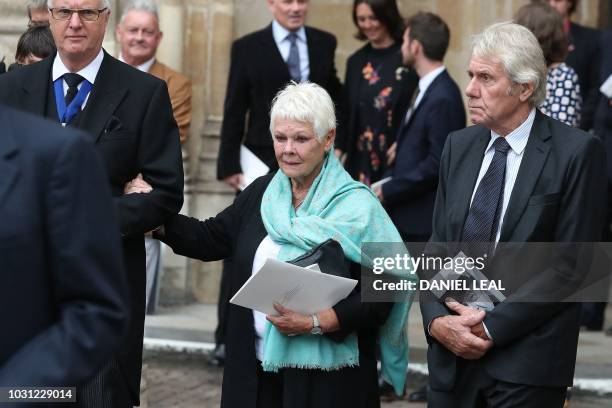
(305, 102)
(104, 4)
(140, 5)
(519, 52)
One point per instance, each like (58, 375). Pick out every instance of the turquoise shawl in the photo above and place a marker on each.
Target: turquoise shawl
(335, 207)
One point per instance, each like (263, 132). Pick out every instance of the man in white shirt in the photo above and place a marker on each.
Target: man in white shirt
(261, 64)
(517, 176)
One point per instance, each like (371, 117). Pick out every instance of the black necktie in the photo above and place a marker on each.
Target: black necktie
(73, 81)
(483, 218)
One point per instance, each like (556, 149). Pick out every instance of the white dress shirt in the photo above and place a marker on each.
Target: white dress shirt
(90, 72)
(424, 83)
(266, 249)
(517, 139)
(280, 35)
(145, 67)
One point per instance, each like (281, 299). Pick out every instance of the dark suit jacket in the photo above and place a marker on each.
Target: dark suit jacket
(63, 292)
(556, 198)
(409, 197)
(257, 73)
(237, 232)
(584, 57)
(352, 84)
(129, 117)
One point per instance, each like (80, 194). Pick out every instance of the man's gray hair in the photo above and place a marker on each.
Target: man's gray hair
(140, 5)
(519, 52)
(305, 102)
(103, 4)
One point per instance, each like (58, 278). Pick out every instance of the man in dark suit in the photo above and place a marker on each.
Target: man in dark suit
(583, 55)
(261, 64)
(63, 296)
(437, 109)
(128, 115)
(517, 176)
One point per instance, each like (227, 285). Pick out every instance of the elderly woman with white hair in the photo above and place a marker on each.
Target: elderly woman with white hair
(293, 360)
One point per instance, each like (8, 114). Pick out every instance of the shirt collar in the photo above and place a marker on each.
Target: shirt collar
(428, 78)
(280, 33)
(517, 139)
(89, 72)
(144, 67)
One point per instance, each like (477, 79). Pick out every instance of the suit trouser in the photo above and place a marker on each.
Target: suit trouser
(107, 389)
(475, 388)
(153, 250)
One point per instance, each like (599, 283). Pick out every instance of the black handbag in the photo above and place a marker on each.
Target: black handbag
(329, 256)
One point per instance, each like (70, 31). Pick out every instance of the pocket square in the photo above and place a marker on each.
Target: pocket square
(113, 125)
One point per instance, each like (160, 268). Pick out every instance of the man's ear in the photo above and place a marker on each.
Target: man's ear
(526, 90)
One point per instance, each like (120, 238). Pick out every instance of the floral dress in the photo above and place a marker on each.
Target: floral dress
(378, 91)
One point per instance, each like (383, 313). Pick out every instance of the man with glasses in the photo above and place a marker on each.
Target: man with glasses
(128, 114)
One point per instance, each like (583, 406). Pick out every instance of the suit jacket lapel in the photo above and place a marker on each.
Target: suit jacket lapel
(422, 102)
(536, 152)
(275, 59)
(37, 88)
(8, 149)
(314, 55)
(466, 174)
(105, 96)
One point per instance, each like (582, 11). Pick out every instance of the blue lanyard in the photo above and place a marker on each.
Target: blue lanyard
(66, 114)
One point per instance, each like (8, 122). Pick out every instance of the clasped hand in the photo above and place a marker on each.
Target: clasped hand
(463, 334)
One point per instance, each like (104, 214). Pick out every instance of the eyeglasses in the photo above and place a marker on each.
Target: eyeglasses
(84, 14)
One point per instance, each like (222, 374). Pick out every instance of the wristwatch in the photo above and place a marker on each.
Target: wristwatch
(316, 328)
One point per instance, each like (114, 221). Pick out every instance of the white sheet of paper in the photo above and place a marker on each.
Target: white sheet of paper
(300, 289)
(606, 87)
(379, 183)
(252, 166)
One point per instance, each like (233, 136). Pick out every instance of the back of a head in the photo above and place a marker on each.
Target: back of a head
(546, 24)
(305, 102)
(518, 51)
(432, 32)
(36, 41)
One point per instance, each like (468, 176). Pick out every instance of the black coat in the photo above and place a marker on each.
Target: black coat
(584, 56)
(257, 73)
(129, 118)
(63, 296)
(237, 232)
(556, 198)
